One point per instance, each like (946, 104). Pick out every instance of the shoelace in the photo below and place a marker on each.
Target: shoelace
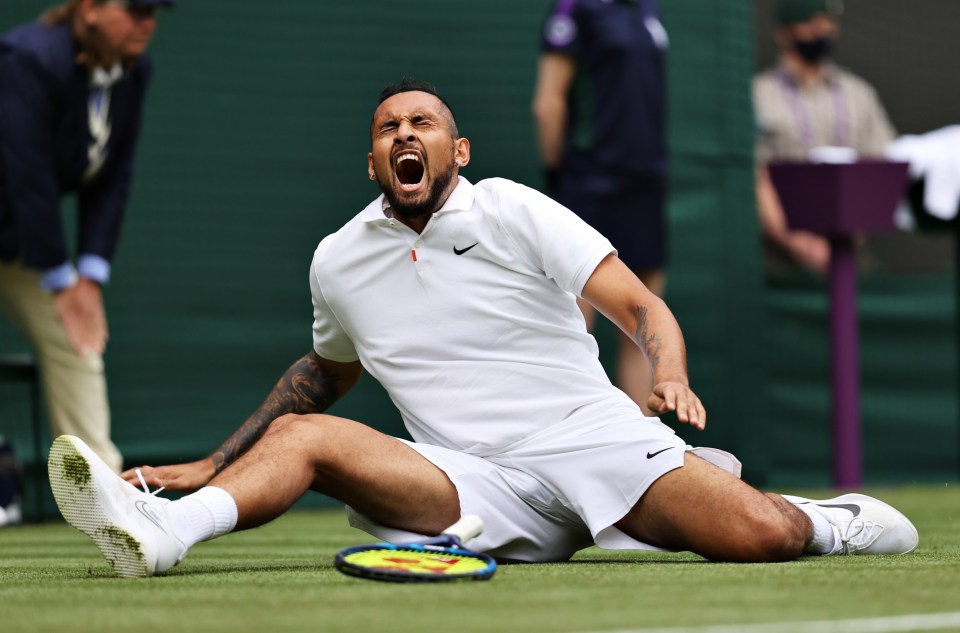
(857, 527)
(146, 488)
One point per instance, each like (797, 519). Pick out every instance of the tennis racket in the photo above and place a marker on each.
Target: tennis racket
(439, 559)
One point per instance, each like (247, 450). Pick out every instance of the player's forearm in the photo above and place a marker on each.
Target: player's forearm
(310, 385)
(659, 338)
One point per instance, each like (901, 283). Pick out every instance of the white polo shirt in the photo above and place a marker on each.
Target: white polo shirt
(471, 326)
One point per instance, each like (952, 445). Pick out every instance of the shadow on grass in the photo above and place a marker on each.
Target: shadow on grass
(636, 561)
(105, 573)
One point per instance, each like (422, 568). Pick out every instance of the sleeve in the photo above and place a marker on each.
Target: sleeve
(102, 206)
(28, 114)
(561, 32)
(551, 237)
(330, 341)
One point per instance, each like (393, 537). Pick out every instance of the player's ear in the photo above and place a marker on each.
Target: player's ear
(370, 172)
(461, 152)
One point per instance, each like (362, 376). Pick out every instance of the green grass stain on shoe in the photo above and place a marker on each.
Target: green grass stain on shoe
(76, 469)
(122, 539)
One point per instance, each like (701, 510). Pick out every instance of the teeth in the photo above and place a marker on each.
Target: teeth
(403, 157)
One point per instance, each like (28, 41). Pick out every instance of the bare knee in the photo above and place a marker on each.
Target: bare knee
(774, 536)
(299, 425)
(312, 436)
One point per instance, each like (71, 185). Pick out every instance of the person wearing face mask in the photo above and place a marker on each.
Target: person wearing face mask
(805, 102)
(72, 89)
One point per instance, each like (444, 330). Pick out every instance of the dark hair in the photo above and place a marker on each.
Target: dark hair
(409, 84)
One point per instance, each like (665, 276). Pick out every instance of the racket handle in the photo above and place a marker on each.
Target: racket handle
(469, 526)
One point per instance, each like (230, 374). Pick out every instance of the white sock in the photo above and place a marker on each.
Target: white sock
(826, 539)
(208, 513)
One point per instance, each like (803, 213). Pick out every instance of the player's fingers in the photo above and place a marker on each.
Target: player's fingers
(656, 404)
(682, 408)
(701, 414)
(669, 395)
(176, 478)
(141, 475)
(690, 410)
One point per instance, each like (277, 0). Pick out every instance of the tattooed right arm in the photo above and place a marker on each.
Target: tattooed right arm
(311, 385)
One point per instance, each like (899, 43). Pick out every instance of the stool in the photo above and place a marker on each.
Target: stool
(23, 368)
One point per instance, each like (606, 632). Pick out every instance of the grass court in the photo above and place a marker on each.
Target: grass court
(280, 578)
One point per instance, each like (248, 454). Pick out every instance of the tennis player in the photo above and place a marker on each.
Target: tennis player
(460, 299)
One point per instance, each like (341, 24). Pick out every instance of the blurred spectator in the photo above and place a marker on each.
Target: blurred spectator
(804, 103)
(599, 109)
(72, 87)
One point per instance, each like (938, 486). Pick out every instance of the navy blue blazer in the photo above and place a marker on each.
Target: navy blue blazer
(44, 137)
(617, 104)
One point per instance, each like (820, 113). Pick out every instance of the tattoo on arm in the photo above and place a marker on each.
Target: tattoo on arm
(309, 386)
(649, 343)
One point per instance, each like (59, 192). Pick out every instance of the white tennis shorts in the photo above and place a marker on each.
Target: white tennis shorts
(557, 492)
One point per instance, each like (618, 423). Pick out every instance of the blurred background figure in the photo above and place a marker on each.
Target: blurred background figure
(72, 88)
(599, 108)
(804, 103)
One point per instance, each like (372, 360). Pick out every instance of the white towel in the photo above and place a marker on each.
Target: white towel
(934, 157)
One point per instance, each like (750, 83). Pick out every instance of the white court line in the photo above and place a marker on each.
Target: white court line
(890, 624)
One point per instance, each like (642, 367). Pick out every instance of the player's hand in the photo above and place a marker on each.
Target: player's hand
(678, 397)
(184, 477)
(80, 310)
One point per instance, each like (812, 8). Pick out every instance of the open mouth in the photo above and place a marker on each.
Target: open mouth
(409, 170)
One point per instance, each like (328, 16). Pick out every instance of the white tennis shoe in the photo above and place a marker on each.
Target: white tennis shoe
(129, 526)
(865, 525)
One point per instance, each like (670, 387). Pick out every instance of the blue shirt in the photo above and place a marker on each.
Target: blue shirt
(44, 140)
(616, 122)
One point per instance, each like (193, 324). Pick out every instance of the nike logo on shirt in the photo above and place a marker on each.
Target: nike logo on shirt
(458, 251)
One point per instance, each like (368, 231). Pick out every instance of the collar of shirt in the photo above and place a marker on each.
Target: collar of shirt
(102, 78)
(460, 200)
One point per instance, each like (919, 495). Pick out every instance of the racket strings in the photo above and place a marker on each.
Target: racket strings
(417, 561)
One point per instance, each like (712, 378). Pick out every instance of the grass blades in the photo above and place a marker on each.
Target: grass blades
(281, 578)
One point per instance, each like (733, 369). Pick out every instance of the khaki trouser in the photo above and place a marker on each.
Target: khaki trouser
(74, 386)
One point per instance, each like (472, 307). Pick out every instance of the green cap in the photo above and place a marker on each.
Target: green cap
(793, 11)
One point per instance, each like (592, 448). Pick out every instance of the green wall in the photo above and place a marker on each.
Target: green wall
(254, 149)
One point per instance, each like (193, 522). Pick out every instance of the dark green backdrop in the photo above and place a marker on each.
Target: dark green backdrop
(254, 149)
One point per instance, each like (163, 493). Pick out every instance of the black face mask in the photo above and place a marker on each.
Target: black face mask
(814, 51)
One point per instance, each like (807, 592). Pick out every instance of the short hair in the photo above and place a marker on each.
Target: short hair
(409, 84)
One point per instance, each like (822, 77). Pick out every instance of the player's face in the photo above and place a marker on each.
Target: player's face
(122, 30)
(414, 155)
